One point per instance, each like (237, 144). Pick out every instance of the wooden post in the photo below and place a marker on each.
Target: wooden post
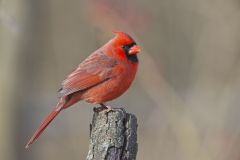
(113, 136)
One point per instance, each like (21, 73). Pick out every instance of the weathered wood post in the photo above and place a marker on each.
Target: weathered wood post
(113, 136)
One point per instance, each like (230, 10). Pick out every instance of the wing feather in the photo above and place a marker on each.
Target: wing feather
(94, 70)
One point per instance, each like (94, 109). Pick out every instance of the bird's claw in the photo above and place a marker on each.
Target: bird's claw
(107, 109)
(104, 109)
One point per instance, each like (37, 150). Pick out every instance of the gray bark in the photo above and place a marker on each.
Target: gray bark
(113, 136)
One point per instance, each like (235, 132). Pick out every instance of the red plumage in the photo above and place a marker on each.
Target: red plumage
(105, 75)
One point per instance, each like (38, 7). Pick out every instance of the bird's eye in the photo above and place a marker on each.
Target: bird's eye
(125, 48)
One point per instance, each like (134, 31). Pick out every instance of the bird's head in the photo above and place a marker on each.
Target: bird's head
(126, 46)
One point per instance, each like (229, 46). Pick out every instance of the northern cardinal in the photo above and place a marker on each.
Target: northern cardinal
(105, 75)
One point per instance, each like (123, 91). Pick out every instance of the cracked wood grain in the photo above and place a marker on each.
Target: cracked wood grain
(113, 136)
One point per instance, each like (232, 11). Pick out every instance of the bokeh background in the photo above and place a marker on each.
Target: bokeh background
(186, 93)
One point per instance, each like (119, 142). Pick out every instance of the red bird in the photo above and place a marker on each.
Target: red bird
(105, 75)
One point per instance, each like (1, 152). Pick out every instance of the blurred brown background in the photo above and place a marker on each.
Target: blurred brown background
(186, 93)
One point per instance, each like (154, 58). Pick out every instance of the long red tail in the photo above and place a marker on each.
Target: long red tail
(45, 123)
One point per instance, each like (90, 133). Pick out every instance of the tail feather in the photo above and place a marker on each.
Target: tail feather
(43, 126)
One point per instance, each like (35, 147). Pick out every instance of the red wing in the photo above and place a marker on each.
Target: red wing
(94, 70)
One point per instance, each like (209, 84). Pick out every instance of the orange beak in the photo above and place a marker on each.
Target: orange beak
(134, 50)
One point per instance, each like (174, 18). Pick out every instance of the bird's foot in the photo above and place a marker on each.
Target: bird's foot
(104, 108)
(107, 109)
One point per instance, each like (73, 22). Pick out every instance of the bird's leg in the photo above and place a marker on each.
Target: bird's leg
(106, 108)
(103, 108)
